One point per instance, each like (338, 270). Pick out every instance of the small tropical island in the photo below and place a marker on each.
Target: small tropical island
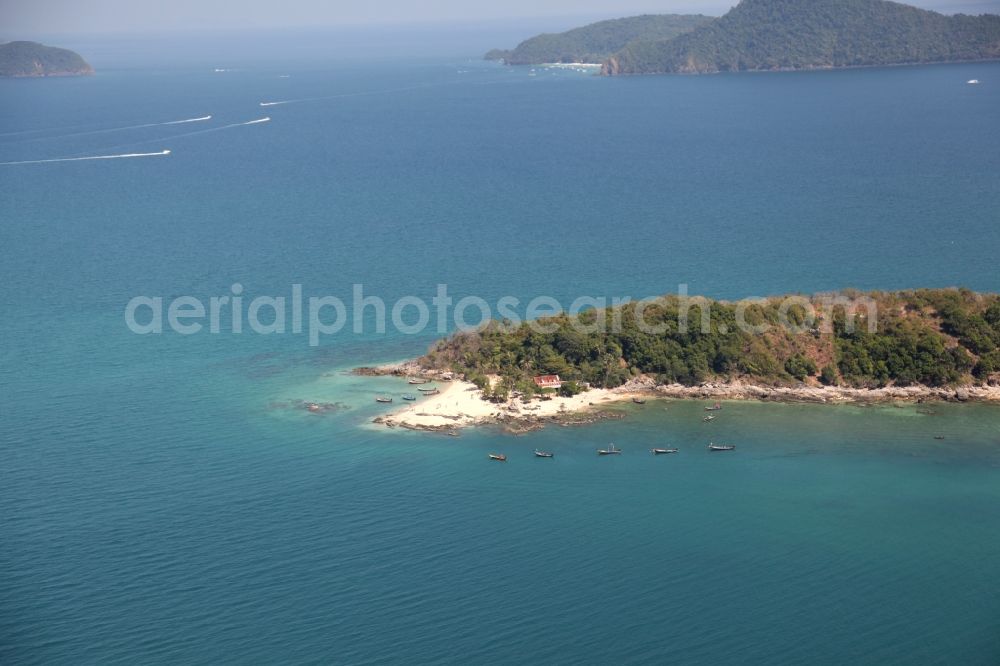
(910, 346)
(770, 35)
(31, 59)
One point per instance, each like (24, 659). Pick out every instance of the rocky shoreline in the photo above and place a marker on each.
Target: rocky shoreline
(738, 390)
(462, 405)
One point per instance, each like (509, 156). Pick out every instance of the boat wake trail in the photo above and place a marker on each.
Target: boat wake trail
(206, 131)
(189, 120)
(121, 129)
(139, 143)
(92, 157)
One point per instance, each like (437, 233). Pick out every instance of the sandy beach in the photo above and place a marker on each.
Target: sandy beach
(460, 404)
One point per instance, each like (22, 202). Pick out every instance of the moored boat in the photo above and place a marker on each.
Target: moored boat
(639, 401)
(708, 418)
(544, 454)
(612, 450)
(499, 457)
(431, 389)
(717, 407)
(721, 447)
(407, 396)
(418, 381)
(383, 399)
(663, 452)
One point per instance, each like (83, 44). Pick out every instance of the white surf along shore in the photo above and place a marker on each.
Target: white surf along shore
(460, 404)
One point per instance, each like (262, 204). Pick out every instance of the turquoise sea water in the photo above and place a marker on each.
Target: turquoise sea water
(162, 500)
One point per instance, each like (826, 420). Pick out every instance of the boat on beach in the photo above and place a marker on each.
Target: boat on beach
(721, 447)
(499, 457)
(544, 454)
(383, 399)
(612, 450)
(639, 401)
(431, 389)
(663, 452)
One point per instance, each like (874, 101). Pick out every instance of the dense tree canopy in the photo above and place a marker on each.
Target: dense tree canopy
(808, 34)
(34, 59)
(595, 42)
(928, 337)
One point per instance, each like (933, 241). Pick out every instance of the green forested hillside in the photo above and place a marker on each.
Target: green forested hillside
(596, 42)
(34, 59)
(926, 337)
(809, 34)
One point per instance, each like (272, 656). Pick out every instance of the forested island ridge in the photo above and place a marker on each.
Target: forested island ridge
(770, 35)
(31, 59)
(928, 344)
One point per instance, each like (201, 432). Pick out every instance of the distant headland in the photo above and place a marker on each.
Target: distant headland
(770, 35)
(31, 59)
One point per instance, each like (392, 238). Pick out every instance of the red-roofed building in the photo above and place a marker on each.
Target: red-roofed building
(548, 382)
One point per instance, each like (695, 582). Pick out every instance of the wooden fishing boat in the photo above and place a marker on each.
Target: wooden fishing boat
(612, 450)
(721, 447)
(663, 452)
(499, 457)
(544, 454)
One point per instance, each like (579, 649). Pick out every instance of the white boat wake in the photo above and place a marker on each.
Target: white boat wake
(189, 120)
(122, 129)
(92, 157)
(139, 143)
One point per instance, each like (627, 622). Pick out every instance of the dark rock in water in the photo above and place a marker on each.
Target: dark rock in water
(311, 407)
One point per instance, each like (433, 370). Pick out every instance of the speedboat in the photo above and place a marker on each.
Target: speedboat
(612, 450)
(544, 454)
(663, 452)
(972, 82)
(499, 457)
(721, 447)
(708, 418)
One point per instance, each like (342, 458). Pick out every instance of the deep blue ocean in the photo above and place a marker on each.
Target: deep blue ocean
(163, 498)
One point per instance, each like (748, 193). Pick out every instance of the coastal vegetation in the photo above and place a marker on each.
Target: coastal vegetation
(930, 338)
(811, 34)
(24, 59)
(596, 42)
